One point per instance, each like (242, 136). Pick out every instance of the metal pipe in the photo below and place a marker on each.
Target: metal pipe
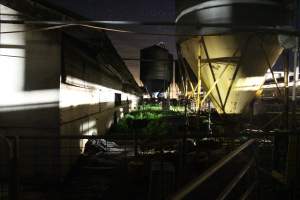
(8, 145)
(213, 86)
(220, 76)
(243, 52)
(199, 82)
(296, 71)
(286, 90)
(209, 172)
(212, 73)
(269, 66)
(15, 176)
(12, 187)
(235, 181)
(249, 191)
(209, 119)
(99, 24)
(192, 87)
(149, 60)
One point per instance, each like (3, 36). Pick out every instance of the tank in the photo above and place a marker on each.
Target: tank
(179, 76)
(183, 73)
(232, 60)
(156, 68)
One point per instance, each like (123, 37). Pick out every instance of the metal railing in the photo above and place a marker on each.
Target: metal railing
(194, 185)
(40, 164)
(44, 163)
(8, 168)
(32, 162)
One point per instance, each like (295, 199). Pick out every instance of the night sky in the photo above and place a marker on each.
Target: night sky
(129, 45)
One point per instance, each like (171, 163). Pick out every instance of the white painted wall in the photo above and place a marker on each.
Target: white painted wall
(29, 84)
(35, 101)
(29, 77)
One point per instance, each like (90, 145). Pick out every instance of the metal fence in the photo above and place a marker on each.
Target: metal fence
(193, 189)
(8, 168)
(4, 167)
(71, 167)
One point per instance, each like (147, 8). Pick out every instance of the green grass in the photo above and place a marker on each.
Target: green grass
(152, 107)
(155, 116)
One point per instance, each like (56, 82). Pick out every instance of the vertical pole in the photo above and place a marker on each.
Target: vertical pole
(183, 146)
(199, 85)
(286, 89)
(135, 144)
(199, 79)
(173, 81)
(186, 89)
(209, 118)
(293, 145)
(296, 71)
(15, 170)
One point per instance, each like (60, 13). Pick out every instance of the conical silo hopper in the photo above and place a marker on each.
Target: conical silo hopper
(156, 68)
(231, 62)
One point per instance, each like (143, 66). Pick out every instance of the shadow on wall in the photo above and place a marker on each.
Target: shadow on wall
(4, 164)
(29, 83)
(29, 105)
(38, 158)
(43, 60)
(32, 65)
(80, 120)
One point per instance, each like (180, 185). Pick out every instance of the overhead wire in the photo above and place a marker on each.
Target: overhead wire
(89, 24)
(38, 29)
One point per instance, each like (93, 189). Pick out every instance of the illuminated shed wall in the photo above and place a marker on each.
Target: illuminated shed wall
(29, 103)
(88, 90)
(51, 86)
(30, 70)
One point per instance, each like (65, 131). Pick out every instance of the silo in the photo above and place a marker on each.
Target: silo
(234, 58)
(156, 68)
(179, 76)
(184, 74)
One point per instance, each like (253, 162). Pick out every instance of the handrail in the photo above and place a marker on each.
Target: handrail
(248, 191)
(212, 170)
(142, 136)
(235, 181)
(12, 187)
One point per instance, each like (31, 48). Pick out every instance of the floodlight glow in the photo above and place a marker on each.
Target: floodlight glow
(245, 70)
(87, 93)
(249, 83)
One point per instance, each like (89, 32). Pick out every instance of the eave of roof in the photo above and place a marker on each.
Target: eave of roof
(41, 9)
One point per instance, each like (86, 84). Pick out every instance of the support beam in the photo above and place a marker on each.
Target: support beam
(293, 157)
(212, 73)
(232, 60)
(269, 66)
(192, 87)
(213, 86)
(182, 61)
(219, 78)
(237, 69)
(187, 76)
(286, 90)
(183, 75)
(199, 82)
(296, 71)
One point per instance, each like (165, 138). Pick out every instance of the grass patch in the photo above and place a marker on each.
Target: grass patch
(150, 120)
